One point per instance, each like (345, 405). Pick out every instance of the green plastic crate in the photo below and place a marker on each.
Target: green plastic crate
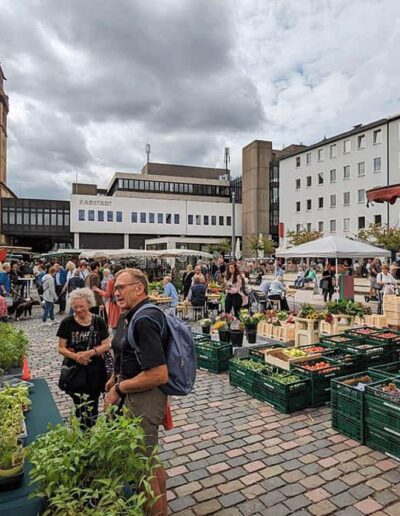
(382, 409)
(347, 425)
(255, 354)
(239, 366)
(241, 382)
(346, 399)
(213, 350)
(378, 338)
(348, 361)
(383, 441)
(391, 370)
(336, 341)
(354, 333)
(320, 380)
(286, 398)
(213, 366)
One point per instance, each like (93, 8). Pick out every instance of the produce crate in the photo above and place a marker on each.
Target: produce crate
(348, 361)
(347, 399)
(375, 320)
(386, 337)
(320, 380)
(342, 339)
(285, 397)
(349, 426)
(361, 332)
(340, 323)
(199, 337)
(239, 366)
(279, 359)
(265, 329)
(306, 331)
(241, 382)
(255, 352)
(371, 352)
(213, 366)
(391, 370)
(383, 441)
(382, 409)
(285, 333)
(213, 355)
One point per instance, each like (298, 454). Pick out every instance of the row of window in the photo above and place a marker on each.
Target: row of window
(361, 198)
(141, 185)
(361, 171)
(35, 216)
(151, 218)
(346, 147)
(333, 224)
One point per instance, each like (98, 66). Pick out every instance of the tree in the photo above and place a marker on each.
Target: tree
(383, 236)
(264, 244)
(222, 247)
(303, 236)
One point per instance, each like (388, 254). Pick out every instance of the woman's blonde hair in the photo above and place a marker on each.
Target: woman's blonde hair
(70, 266)
(83, 293)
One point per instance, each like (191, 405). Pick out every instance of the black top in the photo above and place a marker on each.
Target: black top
(150, 340)
(198, 297)
(82, 338)
(328, 276)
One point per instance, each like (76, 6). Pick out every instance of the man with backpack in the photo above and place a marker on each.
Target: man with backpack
(144, 374)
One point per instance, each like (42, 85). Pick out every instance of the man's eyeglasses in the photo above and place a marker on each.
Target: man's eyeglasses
(120, 288)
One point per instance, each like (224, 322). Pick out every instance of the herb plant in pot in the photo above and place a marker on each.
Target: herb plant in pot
(222, 325)
(250, 322)
(205, 325)
(13, 348)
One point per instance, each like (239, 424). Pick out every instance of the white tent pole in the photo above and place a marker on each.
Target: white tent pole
(337, 277)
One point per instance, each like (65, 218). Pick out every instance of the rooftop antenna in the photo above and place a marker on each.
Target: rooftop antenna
(148, 150)
(227, 159)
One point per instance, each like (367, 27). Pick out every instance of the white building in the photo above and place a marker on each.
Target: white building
(324, 186)
(191, 211)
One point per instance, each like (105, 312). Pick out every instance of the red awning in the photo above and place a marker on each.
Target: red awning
(384, 194)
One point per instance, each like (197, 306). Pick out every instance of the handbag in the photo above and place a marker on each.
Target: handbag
(72, 377)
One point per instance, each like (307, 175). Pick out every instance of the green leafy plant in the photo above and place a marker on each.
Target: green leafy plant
(86, 471)
(13, 346)
(205, 323)
(249, 319)
(302, 237)
(261, 244)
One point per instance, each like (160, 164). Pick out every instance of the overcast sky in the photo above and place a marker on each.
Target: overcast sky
(92, 81)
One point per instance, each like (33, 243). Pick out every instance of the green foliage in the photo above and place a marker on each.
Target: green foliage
(384, 236)
(264, 244)
(13, 346)
(222, 247)
(346, 308)
(250, 320)
(156, 285)
(303, 236)
(85, 471)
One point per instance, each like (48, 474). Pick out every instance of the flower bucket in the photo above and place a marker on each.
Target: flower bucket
(251, 334)
(236, 337)
(206, 329)
(224, 335)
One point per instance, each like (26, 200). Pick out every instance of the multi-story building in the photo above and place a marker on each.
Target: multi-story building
(324, 186)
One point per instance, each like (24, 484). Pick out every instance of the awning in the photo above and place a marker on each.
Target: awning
(384, 194)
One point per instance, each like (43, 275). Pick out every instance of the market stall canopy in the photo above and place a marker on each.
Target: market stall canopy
(175, 253)
(333, 247)
(97, 254)
(384, 194)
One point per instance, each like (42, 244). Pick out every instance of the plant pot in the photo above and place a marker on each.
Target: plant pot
(251, 334)
(206, 329)
(11, 478)
(12, 472)
(224, 335)
(236, 337)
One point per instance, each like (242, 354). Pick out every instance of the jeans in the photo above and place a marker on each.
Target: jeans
(48, 311)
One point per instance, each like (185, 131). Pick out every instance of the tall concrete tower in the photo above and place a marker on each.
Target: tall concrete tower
(3, 129)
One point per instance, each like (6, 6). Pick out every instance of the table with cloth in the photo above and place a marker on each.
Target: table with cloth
(42, 412)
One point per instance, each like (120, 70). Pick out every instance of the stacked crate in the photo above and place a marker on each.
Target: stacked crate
(285, 397)
(320, 379)
(391, 310)
(213, 355)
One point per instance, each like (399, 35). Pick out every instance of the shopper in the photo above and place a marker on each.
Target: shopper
(112, 308)
(91, 281)
(374, 270)
(327, 282)
(60, 279)
(277, 292)
(170, 291)
(49, 294)
(234, 290)
(83, 337)
(187, 280)
(138, 382)
(5, 282)
(386, 281)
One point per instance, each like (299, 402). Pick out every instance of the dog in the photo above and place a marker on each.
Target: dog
(22, 307)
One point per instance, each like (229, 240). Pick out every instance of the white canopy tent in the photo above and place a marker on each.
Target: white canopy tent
(175, 253)
(140, 253)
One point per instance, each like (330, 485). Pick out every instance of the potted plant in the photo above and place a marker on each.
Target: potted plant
(104, 469)
(237, 333)
(222, 326)
(13, 348)
(205, 325)
(250, 322)
(11, 461)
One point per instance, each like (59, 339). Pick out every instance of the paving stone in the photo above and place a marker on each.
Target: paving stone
(293, 476)
(253, 491)
(393, 510)
(353, 479)
(208, 507)
(386, 497)
(212, 480)
(377, 484)
(292, 490)
(322, 508)
(368, 506)
(297, 502)
(343, 500)
(317, 495)
(271, 471)
(336, 486)
(360, 491)
(231, 499)
(251, 507)
(182, 503)
(312, 482)
(207, 494)
(229, 512)
(230, 487)
(188, 489)
(277, 510)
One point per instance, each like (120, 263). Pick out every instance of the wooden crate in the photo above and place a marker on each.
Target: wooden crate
(306, 331)
(265, 329)
(287, 333)
(339, 324)
(376, 321)
(276, 358)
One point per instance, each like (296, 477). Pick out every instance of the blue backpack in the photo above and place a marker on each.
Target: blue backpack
(181, 356)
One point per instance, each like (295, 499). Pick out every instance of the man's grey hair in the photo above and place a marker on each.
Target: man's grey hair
(83, 293)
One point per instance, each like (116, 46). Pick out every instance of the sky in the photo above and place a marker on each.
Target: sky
(90, 82)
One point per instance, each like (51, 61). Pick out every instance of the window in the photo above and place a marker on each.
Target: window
(100, 216)
(190, 219)
(378, 219)
(298, 228)
(361, 222)
(151, 218)
(81, 214)
(346, 198)
(308, 204)
(176, 218)
(298, 161)
(377, 164)
(320, 202)
(168, 218)
(346, 172)
(332, 175)
(298, 184)
(333, 200)
(361, 195)
(221, 220)
(160, 218)
(91, 215)
(119, 216)
(229, 221)
(308, 158)
(321, 154)
(377, 136)
(321, 178)
(110, 216)
(346, 225)
(198, 220)
(309, 181)
(321, 226)
(361, 168)
(143, 217)
(333, 151)
(346, 146)
(297, 206)
(332, 226)
(213, 220)
(308, 227)
(361, 141)
(134, 217)
(205, 220)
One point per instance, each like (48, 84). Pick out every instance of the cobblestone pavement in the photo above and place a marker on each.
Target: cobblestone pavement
(232, 455)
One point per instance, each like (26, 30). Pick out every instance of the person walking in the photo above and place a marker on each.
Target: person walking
(93, 281)
(49, 295)
(187, 280)
(234, 290)
(136, 383)
(60, 279)
(327, 285)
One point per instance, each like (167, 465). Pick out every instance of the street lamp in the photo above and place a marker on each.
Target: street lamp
(233, 226)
